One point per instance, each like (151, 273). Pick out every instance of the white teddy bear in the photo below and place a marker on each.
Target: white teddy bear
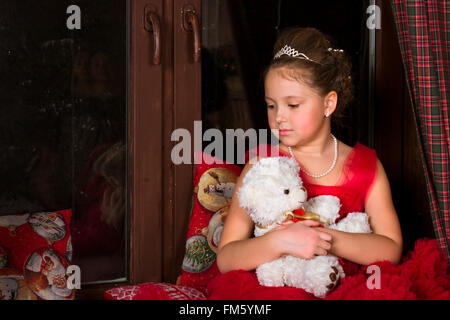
(271, 191)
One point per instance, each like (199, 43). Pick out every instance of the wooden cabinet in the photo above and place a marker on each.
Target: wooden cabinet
(163, 97)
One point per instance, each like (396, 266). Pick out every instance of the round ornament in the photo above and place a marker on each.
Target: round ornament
(49, 225)
(199, 255)
(213, 231)
(45, 274)
(12, 222)
(69, 249)
(215, 188)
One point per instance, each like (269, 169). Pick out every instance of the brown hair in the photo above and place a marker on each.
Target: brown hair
(330, 71)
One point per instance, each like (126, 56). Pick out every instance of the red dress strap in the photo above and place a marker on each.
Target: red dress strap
(362, 171)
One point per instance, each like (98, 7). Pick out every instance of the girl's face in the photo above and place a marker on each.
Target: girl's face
(294, 108)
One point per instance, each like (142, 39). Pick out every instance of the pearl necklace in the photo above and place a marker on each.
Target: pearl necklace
(332, 165)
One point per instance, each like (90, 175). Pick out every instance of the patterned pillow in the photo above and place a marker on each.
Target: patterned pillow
(20, 235)
(213, 188)
(35, 248)
(154, 291)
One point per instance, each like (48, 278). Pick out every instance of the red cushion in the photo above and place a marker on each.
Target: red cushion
(199, 265)
(20, 235)
(154, 291)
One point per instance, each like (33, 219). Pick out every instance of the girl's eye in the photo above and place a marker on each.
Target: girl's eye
(270, 107)
(293, 105)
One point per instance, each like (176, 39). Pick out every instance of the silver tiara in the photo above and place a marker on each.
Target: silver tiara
(291, 52)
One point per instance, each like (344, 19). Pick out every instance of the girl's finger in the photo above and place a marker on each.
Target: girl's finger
(324, 245)
(325, 236)
(320, 252)
(310, 223)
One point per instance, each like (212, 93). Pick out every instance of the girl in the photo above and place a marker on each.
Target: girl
(306, 84)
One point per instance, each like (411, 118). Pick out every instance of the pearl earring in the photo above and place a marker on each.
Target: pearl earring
(328, 113)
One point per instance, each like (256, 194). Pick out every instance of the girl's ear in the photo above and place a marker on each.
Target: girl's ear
(330, 103)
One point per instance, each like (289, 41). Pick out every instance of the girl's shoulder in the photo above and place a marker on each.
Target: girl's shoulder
(358, 160)
(359, 147)
(365, 153)
(362, 166)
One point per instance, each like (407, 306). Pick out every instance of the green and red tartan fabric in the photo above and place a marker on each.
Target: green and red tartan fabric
(423, 34)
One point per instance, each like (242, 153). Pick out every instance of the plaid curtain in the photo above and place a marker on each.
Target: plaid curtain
(423, 34)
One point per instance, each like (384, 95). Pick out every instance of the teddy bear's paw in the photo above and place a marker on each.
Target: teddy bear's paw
(356, 222)
(272, 282)
(295, 274)
(335, 278)
(271, 274)
(324, 273)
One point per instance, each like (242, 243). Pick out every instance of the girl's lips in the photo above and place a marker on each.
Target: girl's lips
(284, 132)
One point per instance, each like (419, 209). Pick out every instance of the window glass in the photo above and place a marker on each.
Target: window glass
(63, 140)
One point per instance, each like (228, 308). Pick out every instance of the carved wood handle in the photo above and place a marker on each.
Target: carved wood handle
(153, 20)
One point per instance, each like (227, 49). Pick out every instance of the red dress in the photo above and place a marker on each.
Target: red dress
(355, 182)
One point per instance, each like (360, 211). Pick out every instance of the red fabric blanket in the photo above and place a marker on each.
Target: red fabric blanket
(423, 274)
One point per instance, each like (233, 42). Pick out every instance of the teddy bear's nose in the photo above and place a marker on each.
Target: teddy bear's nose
(298, 195)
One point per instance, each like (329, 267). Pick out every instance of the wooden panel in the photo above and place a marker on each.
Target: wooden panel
(186, 109)
(389, 100)
(145, 150)
(168, 245)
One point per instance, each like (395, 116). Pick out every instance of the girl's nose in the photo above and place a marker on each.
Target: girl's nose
(281, 117)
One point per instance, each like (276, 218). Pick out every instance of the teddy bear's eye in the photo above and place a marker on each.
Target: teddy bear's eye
(286, 191)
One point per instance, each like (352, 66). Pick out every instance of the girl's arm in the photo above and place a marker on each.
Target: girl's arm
(238, 251)
(385, 243)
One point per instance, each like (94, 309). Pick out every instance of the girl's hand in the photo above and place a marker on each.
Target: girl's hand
(284, 225)
(302, 239)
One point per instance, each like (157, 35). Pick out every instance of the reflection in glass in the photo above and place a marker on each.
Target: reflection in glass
(63, 123)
